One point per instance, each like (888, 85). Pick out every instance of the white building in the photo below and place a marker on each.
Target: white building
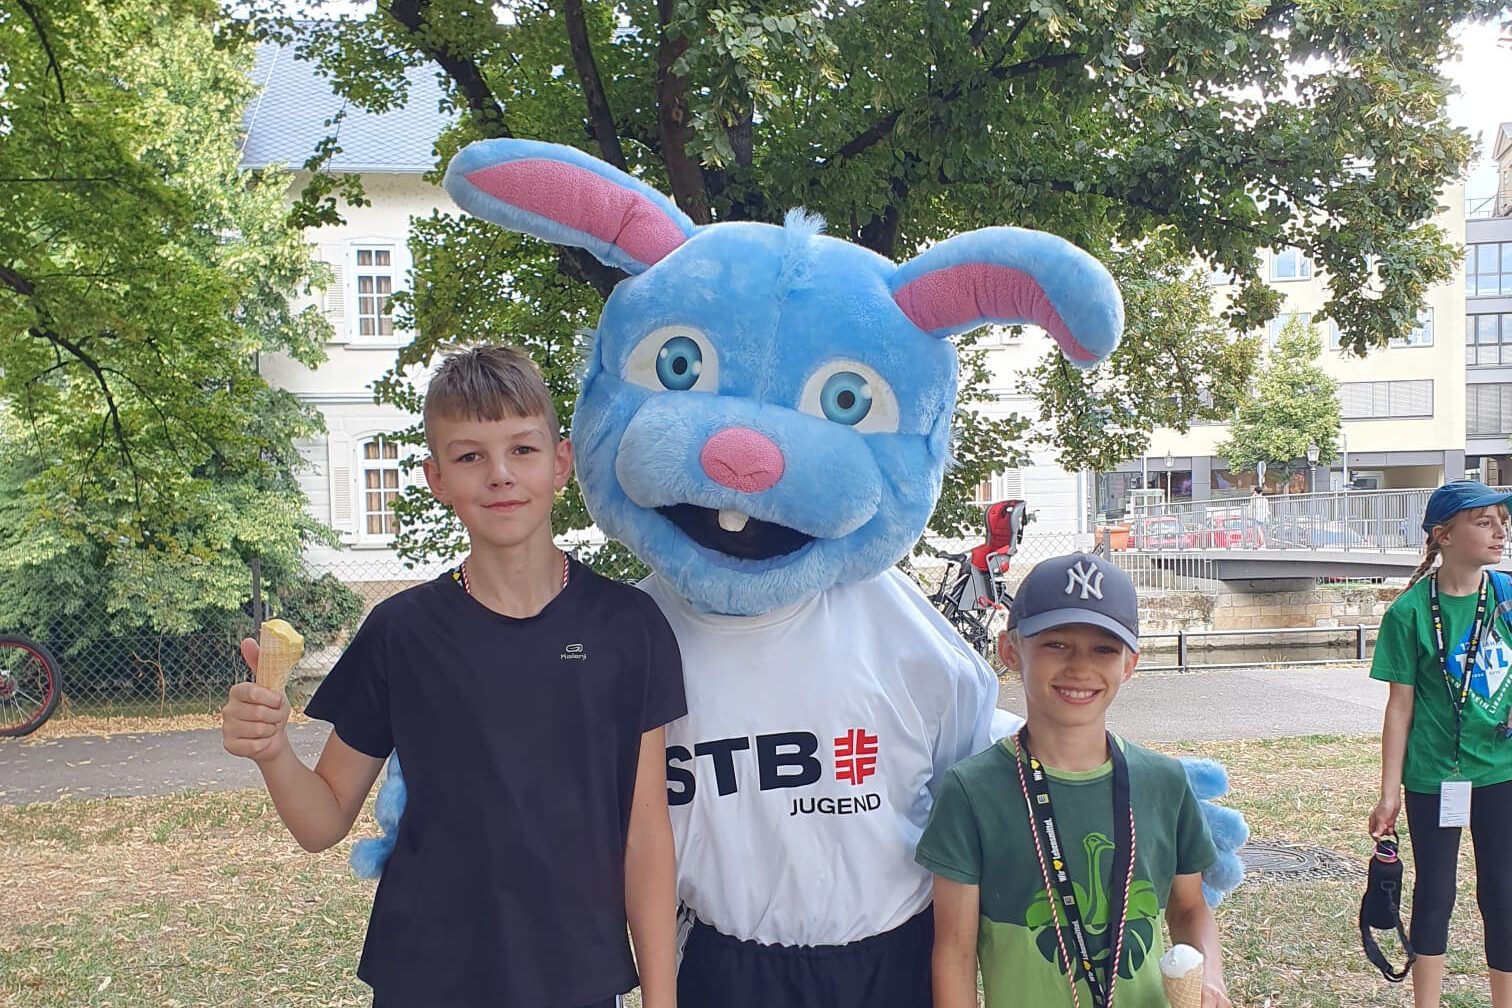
(354, 472)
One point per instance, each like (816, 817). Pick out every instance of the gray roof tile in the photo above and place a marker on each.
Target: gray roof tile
(288, 119)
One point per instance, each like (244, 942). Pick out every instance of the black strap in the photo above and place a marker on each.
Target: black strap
(1048, 837)
(1367, 938)
(1459, 693)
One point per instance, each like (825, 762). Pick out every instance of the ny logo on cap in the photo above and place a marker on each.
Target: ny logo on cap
(1086, 575)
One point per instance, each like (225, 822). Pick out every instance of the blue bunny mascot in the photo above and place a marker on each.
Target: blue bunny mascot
(764, 420)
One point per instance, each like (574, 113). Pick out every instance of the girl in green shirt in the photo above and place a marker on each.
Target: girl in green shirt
(1445, 646)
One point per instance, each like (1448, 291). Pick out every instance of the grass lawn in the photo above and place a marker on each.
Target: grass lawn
(202, 900)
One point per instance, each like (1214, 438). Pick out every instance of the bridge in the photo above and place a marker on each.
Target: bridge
(1345, 534)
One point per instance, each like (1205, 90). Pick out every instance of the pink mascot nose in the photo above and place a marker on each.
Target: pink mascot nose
(742, 459)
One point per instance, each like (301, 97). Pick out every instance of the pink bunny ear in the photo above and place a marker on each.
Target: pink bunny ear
(1012, 276)
(567, 197)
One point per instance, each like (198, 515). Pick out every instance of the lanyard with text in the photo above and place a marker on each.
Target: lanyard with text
(1057, 879)
(1459, 692)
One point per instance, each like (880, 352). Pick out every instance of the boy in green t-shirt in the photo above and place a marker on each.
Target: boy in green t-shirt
(1116, 832)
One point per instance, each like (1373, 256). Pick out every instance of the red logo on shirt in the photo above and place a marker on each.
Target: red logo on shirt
(855, 756)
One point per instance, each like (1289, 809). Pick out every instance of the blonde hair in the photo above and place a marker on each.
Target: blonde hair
(1433, 550)
(489, 383)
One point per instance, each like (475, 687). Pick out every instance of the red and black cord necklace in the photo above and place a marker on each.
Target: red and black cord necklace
(460, 574)
(1058, 887)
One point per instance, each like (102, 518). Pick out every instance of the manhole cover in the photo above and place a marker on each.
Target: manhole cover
(1265, 861)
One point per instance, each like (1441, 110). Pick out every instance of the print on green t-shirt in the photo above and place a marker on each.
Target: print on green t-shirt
(1143, 916)
(979, 834)
(1406, 651)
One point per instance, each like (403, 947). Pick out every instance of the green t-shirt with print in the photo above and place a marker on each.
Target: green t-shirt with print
(979, 834)
(1406, 652)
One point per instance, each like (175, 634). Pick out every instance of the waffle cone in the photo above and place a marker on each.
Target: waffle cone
(280, 646)
(1185, 991)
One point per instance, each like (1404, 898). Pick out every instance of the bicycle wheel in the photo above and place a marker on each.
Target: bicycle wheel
(29, 686)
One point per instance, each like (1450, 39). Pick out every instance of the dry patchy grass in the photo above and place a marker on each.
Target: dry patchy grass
(203, 900)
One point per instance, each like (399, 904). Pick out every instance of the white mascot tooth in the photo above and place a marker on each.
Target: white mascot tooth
(732, 521)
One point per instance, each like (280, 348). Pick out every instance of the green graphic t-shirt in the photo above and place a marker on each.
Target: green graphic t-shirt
(1406, 652)
(979, 834)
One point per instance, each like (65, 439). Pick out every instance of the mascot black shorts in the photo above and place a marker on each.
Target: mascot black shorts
(889, 970)
(1435, 860)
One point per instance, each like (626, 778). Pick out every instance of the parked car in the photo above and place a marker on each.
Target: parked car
(1228, 532)
(1155, 532)
(1309, 533)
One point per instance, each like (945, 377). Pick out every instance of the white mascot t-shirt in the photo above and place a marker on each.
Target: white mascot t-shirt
(803, 776)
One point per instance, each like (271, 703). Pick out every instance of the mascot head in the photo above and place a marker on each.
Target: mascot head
(766, 411)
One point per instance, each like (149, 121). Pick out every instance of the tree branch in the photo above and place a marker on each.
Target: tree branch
(600, 118)
(489, 114)
(16, 282)
(683, 173)
(486, 109)
(52, 59)
(113, 411)
(996, 73)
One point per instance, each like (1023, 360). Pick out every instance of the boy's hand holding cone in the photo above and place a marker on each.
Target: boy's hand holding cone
(253, 719)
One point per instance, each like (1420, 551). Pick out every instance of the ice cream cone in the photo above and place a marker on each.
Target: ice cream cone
(1185, 991)
(1181, 969)
(279, 648)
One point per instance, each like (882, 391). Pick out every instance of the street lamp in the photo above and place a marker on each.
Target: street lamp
(1344, 447)
(1170, 494)
(1312, 468)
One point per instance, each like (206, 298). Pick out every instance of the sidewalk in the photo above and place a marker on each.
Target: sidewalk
(1228, 704)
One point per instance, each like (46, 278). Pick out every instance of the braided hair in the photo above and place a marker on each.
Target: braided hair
(1430, 554)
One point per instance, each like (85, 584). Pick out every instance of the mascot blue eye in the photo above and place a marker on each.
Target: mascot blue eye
(846, 398)
(678, 363)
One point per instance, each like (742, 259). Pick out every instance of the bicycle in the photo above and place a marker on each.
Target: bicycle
(30, 685)
(961, 597)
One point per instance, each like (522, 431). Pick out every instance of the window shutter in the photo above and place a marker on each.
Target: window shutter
(1011, 485)
(334, 304)
(1411, 398)
(339, 458)
(1355, 400)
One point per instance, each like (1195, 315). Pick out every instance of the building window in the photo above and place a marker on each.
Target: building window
(1290, 264)
(374, 278)
(1274, 326)
(1488, 269)
(1488, 410)
(380, 485)
(1386, 399)
(1006, 485)
(1420, 336)
(1488, 340)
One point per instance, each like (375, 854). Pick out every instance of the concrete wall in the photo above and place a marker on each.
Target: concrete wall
(1323, 606)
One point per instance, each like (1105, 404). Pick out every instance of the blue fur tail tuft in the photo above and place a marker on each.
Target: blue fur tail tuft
(1227, 825)
(370, 855)
(1208, 778)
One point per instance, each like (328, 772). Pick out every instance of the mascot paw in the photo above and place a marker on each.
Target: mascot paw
(1210, 781)
(370, 855)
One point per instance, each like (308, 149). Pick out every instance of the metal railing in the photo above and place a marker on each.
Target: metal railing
(1343, 520)
(1184, 637)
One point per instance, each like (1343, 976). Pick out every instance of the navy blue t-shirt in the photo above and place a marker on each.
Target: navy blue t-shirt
(519, 740)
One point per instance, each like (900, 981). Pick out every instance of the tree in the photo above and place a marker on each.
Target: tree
(144, 460)
(1295, 404)
(1190, 130)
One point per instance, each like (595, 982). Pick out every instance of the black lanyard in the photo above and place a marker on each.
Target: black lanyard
(1057, 878)
(1459, 693)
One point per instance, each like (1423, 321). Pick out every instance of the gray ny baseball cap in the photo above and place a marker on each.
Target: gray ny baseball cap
(1080, 588)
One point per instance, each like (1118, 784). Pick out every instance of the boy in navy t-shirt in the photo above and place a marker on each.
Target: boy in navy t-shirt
(525, 696)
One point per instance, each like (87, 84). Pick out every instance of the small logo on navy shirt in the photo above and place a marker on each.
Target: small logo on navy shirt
(573, 652)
